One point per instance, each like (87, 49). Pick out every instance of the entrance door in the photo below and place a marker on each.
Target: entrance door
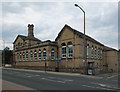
(90, 68)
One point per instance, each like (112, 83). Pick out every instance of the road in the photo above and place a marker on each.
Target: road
(59, 81)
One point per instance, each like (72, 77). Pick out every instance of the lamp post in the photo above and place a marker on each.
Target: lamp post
(84, 40)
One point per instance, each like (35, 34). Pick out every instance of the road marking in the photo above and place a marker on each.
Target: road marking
(104, 85)
(96, 87)
(28, 76)
(52, 80)
(37, 75)
(60, 79)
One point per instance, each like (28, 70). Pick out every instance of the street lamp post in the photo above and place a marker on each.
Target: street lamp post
(84, 40)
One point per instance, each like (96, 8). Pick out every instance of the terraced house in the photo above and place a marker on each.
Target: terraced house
(66, 53)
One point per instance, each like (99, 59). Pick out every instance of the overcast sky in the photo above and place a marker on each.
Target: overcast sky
(50, 17)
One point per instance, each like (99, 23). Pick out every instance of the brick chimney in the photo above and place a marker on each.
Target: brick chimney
(30, 30)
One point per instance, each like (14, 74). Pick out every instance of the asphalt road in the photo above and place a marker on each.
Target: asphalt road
(49, 81)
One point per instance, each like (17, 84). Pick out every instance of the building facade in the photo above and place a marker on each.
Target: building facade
(66, 53)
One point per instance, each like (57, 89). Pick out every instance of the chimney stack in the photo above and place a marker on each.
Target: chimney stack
(30, 30)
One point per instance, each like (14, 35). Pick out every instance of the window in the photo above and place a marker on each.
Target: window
(16, 47)
(101, 53)
(87, 50)
(63, 50)
(20, 56)
(70, 50)
(17, 57)
(95, 51)
(39, 54)
(52, 54)
(26, 55)
(23, 56)
(31, 56)
(92, 52)
(19, 45)
(44, 54)
(98, 53)
(35, 55)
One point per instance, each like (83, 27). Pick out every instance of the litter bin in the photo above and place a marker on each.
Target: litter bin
(90, 71)
(56, 69)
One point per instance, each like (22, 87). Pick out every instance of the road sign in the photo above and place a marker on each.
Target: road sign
(58, 59)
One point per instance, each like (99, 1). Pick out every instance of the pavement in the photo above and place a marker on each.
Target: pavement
(6, 85)
(41, 80)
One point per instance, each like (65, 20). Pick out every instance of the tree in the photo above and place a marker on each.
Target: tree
(7, 56)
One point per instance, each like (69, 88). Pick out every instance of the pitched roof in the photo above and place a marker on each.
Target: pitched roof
(26, 38)
(78, 33)
(108, 48)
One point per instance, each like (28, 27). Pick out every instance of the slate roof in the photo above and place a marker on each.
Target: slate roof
(108, 48)
(78, 33)
(26, 38)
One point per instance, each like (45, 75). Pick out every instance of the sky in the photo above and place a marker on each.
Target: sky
(50, 17)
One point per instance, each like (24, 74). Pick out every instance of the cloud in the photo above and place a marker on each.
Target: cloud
(50, 17)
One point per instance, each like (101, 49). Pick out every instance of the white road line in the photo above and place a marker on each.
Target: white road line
(60, 79)
(104, 85)
(37, 75)
(96, 87)
(52, 80)
(28, 76)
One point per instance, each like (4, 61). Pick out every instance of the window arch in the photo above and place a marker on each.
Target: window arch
(63, 50)
(39, 54)
(44, 54)
(52, 54)
(70, 50)
(35, 55)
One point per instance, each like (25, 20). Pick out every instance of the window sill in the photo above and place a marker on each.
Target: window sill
(69, 57)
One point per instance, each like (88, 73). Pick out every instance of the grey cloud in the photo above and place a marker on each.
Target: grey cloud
(51, 17)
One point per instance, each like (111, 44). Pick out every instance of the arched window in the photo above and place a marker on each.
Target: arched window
(44, 54)
(16, 47)
(17, 57)
(98, 53)
(70, 50)
(35, 55)
(19, 45)
(26, 55)
(87, 50)
(23, 56)
(52, 54)
(31, 56)
(39, 54)
(20, 56)
(95, 51)
(63, 50)
(101, 53)
(92, 51)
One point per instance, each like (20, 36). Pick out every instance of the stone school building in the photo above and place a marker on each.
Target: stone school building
(65, 54)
